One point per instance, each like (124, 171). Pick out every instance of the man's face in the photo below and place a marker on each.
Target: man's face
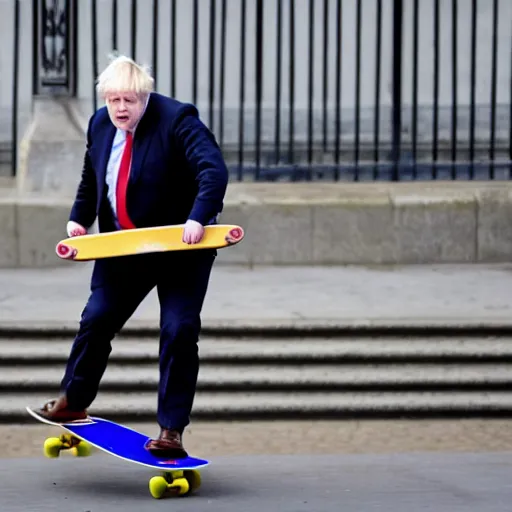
(125, 108)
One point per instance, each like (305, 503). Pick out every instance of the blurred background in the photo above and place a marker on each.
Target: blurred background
(326, 111)
(292, 89)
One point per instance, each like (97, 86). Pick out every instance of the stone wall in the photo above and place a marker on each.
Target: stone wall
(315, 224)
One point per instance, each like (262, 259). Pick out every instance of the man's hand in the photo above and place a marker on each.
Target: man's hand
(75, 229)
(192, 232)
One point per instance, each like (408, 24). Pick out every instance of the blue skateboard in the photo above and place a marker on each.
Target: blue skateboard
(179, 476)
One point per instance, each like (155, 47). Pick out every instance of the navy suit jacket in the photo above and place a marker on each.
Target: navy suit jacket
(177, 172)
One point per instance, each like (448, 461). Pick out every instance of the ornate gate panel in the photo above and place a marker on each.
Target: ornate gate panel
(55, 46)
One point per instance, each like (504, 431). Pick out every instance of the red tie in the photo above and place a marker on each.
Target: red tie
(122, 184)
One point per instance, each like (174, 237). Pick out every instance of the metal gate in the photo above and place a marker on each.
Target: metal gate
(301, 89)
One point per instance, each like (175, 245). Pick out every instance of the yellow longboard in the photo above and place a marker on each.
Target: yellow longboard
(145, 240)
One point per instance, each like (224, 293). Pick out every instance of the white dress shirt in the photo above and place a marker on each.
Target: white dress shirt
(113, 165)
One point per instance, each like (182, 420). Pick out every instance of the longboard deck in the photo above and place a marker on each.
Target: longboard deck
(122, 442)
(144, 240)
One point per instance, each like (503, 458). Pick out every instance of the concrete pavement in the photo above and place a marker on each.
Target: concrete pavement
(302, 436)
(322, 483)
(285, 297)
(297, 468)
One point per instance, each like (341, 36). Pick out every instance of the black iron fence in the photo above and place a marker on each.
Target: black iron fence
(317, 89)
(9, 109)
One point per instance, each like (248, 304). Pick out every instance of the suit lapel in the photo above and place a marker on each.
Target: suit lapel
(104, 155)
(141, 142)
(139, 151)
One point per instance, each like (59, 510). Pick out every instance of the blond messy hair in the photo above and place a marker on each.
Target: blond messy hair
(124, 74)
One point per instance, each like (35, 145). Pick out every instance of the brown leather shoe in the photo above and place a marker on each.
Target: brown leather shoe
(168, 444)
(58, 412)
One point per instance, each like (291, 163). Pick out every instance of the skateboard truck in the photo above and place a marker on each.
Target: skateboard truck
(54, 445)
(177, 483)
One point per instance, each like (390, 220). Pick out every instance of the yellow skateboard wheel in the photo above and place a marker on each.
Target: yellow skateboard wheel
(52, 447)
(180, 486)
(82, 449)
(193, 477)
(158, 487)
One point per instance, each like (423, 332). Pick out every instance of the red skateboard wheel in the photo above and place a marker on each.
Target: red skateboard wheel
(65, 251)
(234, 235)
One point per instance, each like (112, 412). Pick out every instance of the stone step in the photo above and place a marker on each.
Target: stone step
(251, 377)
(276, 377)
(132, 406)
(48, 350)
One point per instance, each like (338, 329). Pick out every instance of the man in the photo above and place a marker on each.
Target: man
(149, 161)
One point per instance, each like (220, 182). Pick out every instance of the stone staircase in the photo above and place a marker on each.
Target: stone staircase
(355, 375)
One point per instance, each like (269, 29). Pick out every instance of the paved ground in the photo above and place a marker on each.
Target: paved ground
(321, 483)
(303, 437)
(447, 294)
(352, 465)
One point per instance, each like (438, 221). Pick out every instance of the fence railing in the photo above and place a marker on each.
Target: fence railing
(315, 89)
(336, 89)
(9, 115)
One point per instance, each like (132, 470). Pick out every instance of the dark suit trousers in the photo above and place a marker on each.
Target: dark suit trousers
(118, 288)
